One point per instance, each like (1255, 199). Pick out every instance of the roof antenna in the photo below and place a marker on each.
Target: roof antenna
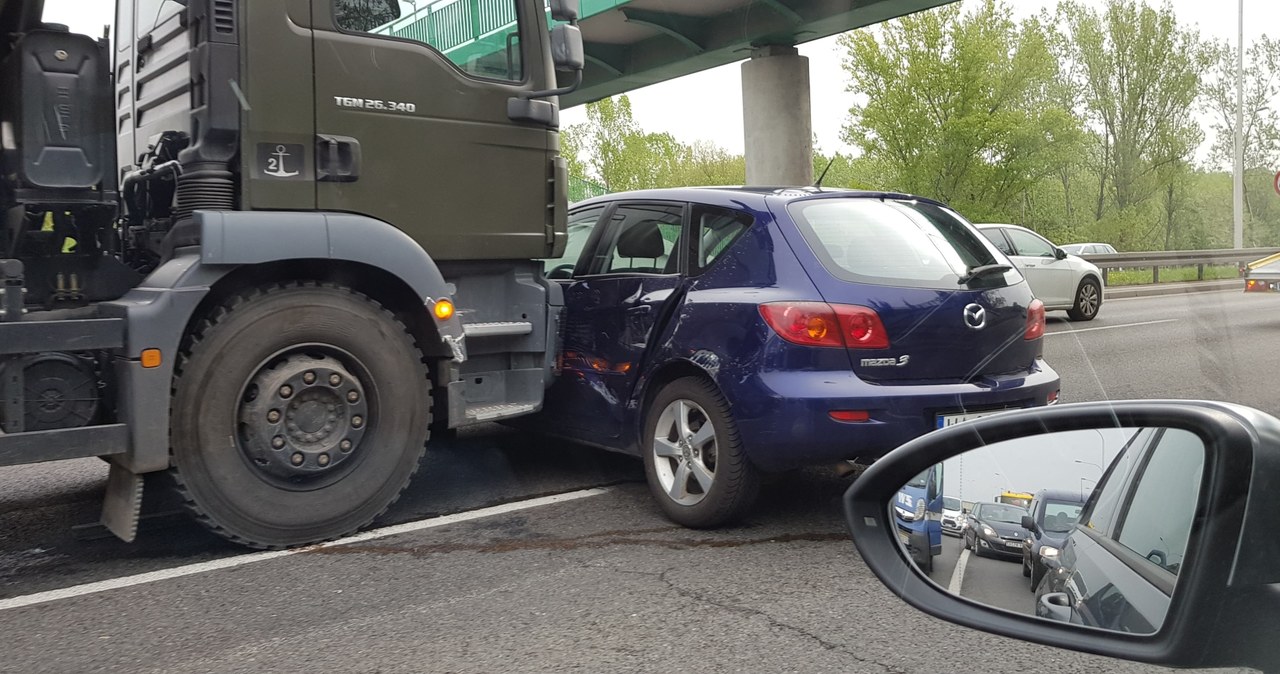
(824, 172)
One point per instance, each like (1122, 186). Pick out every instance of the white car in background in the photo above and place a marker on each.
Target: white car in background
(1062, 281)
(1089, 248)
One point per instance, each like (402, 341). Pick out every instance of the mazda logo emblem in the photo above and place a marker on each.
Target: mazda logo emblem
(975, 317)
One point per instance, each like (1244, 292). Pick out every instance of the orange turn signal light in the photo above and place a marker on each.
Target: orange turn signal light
(443, 310)
(151, 358)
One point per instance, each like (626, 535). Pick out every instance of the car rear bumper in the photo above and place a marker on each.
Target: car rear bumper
(784, 417)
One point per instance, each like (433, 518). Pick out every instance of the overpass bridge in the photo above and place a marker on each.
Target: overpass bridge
(635, 43)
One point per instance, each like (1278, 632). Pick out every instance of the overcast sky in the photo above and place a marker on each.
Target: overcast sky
(718, 115)
(1071, 461)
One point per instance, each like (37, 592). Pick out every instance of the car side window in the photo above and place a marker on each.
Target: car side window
(1157, 522)
(640, 239)
(1100, 513)
(580, 225)
(717, 229)
(1028, 244)
(996, 237)
(484, 43)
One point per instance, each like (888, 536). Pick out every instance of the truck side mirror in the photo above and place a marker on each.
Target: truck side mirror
(565, 10)
(1028, 523)
(567, 52)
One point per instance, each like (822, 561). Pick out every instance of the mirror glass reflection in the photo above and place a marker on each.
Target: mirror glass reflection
(1088, 527)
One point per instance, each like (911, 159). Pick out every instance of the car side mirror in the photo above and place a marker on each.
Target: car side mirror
(1203, 559)
(1059, 254)
(1028, 523)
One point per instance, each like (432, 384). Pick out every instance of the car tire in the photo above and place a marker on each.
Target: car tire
(927, 567)
(977, 548)
(1026, 571)
(300, 412)
(1088, 301)
(1037, 575)
(704, 479)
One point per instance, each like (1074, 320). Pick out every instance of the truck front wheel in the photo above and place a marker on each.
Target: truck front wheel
(299, 413)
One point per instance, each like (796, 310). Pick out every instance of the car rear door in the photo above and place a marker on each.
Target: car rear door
(624, 289)
(904, 259)
(1051, 279)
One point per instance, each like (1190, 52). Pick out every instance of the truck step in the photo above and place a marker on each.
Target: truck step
(500, 411)
(498, 329)
(66, 443)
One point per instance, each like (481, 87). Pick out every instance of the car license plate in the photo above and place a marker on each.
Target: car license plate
(945, 420)
(904, 537)
(1013, 544)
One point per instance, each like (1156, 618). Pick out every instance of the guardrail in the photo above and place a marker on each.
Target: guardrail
(1178, 258)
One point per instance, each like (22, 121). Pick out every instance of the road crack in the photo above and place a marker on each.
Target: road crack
(774, 622)
(603, 539)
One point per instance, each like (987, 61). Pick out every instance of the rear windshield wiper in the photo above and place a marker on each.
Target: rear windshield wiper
(984, 270)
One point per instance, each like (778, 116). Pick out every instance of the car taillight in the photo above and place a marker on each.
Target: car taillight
(861, 327)
(829, 325)
(1035, 320)
(805, 323)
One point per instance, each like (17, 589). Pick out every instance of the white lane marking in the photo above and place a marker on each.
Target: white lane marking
(1073, 331)
(255, 557)
(957, 576)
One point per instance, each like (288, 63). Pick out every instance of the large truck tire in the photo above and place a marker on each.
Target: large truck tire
(300, 412)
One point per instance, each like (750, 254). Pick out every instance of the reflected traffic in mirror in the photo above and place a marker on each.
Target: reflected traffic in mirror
(1088, 527)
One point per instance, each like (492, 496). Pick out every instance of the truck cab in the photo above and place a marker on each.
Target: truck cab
(268, 247)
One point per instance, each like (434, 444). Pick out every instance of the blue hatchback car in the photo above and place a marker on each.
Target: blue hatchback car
(724, 332)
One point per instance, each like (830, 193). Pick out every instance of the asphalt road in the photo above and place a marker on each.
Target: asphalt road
(994, 581)
(598, 583)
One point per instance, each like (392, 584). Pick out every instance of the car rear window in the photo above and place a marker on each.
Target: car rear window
(899, 243)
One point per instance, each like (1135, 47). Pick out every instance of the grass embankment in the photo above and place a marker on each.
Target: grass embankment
(1131, 277)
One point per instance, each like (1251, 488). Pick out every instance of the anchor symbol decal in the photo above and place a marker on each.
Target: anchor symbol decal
(276, 163)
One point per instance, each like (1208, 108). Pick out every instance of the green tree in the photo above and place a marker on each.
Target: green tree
(1139, 75)
(960, 106)
(619, 154)
(1261, 122)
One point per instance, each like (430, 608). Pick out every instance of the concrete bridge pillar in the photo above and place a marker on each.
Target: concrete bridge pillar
(777, 117)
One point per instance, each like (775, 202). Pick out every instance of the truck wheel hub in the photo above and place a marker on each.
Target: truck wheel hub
(302, 418)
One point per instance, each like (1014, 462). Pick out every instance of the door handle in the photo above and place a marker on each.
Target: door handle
(338, 159)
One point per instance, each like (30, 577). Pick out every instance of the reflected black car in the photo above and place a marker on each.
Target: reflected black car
(1053, 515)
(995, 530)
(1120, 562)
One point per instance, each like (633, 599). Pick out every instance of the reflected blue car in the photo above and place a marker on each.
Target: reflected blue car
(721, 333)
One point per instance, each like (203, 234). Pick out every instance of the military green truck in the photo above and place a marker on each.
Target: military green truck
(261, 250)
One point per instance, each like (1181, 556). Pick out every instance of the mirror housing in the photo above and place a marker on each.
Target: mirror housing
(567, 51)
(1028, 523)
(565, 10)
(1228, 592)
(1059, 253)
(567, 54)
